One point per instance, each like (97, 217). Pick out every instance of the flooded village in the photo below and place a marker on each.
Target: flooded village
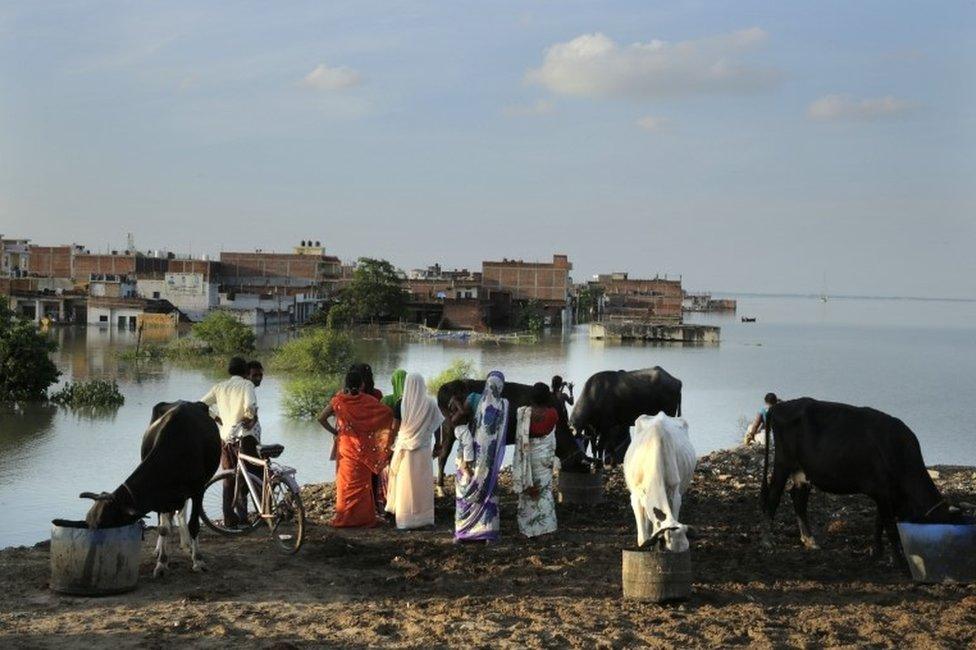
(133, 289)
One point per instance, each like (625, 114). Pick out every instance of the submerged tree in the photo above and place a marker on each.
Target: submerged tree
(224, 334)
(26, 370)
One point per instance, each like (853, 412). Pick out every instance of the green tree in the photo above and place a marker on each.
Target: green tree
(587, 302)
(529, 315)
(375, 293)
(224, 334)
(26, 370)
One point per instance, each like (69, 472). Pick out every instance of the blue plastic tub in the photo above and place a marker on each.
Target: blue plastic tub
(940, 552)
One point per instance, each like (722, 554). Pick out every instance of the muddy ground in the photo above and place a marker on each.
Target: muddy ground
(381, 587)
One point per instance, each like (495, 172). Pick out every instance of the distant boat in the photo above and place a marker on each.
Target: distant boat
(823, 292)
(748, 319)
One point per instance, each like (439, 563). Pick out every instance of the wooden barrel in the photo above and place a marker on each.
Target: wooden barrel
(583, 487)
(656, 576)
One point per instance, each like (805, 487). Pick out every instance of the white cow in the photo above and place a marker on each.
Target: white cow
(658, 468)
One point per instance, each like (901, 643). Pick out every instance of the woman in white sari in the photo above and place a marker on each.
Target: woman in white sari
(535, 449)
(410, 494)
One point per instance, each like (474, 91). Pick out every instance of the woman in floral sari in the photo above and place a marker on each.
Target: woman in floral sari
(362, 428)
(535, 449)
(479, 462)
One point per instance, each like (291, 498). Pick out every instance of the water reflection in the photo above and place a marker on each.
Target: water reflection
(23, 425)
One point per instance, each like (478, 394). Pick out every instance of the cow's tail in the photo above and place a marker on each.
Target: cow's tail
(768, 434)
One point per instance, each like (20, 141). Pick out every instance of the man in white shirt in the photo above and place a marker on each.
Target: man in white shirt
(236, 413)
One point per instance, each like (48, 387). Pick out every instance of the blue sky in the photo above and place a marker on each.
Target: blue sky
(746, 146)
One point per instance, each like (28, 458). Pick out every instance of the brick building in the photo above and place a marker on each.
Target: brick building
(288, 273)
(548, 283)
(650, 300)
(51, 261)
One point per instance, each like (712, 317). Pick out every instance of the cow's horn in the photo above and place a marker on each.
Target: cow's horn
(104, 496)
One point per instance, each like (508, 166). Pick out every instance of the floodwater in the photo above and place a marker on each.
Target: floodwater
(913, 359)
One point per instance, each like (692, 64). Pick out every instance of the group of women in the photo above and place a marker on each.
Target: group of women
(384, 446)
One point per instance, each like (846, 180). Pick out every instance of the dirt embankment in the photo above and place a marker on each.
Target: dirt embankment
(381, 587)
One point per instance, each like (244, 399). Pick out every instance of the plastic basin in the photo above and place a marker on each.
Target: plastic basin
(940, 552)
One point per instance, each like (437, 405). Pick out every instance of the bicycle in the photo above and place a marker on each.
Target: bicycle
(276, 502)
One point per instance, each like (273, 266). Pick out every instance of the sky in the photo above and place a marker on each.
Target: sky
(761, 147)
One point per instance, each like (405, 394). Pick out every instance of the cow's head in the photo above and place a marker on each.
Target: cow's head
(668, 529)
(107, 511)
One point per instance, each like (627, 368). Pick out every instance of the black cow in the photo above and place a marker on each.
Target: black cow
(844, 449)
(570, 456)
(180, 453)
(612, 400)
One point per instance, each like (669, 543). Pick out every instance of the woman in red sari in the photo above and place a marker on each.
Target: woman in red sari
(362, 428)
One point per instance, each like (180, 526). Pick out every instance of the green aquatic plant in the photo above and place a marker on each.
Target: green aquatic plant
(305, 397)
(318, 351)
(224, 334)
(458, 369)
(94, 393)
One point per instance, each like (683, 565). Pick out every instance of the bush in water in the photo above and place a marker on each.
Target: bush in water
(224, 334)
(95, 393)
(319, 351)
(26, 370)
(305, 398)
(459, 369)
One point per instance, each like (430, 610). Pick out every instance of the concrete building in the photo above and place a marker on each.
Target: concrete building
(14, 256)
(194, 291)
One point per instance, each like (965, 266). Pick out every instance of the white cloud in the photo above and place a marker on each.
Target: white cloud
(325, 78)
(593, 65)
(845, 107)
(535, 109)
(651, 123)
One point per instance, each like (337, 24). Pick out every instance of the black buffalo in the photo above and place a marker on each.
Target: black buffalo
(570, 456)
(844, 449)
(180, 454)
(612, 400)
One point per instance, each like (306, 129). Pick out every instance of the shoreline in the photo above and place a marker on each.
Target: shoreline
(326, 486)
(380, 586)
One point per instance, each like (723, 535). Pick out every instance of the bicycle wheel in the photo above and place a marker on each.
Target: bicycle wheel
(287, 518)
(213, 506)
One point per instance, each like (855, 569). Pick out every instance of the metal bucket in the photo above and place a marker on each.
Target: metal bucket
(581, 487)
(656, 576)
(939, 552)
(94, 562)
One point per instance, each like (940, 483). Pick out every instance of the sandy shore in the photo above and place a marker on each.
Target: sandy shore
(381, 587)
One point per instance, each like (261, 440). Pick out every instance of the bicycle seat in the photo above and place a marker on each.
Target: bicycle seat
(270, 451)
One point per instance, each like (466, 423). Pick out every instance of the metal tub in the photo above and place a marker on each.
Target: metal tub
(94, 562)
(940, 552)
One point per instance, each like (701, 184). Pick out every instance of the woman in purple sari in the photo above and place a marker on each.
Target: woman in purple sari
(479, 461)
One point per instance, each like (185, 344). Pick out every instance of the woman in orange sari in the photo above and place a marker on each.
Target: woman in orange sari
(362, 428)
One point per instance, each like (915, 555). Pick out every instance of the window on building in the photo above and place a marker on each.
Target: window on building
(103, 318)
(155, 295)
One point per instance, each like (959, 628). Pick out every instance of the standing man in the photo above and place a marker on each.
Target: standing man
(760, 423)
(235, 408)
(255, 373)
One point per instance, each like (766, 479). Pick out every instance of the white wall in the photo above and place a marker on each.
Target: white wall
(111, 315)
(189, 292)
